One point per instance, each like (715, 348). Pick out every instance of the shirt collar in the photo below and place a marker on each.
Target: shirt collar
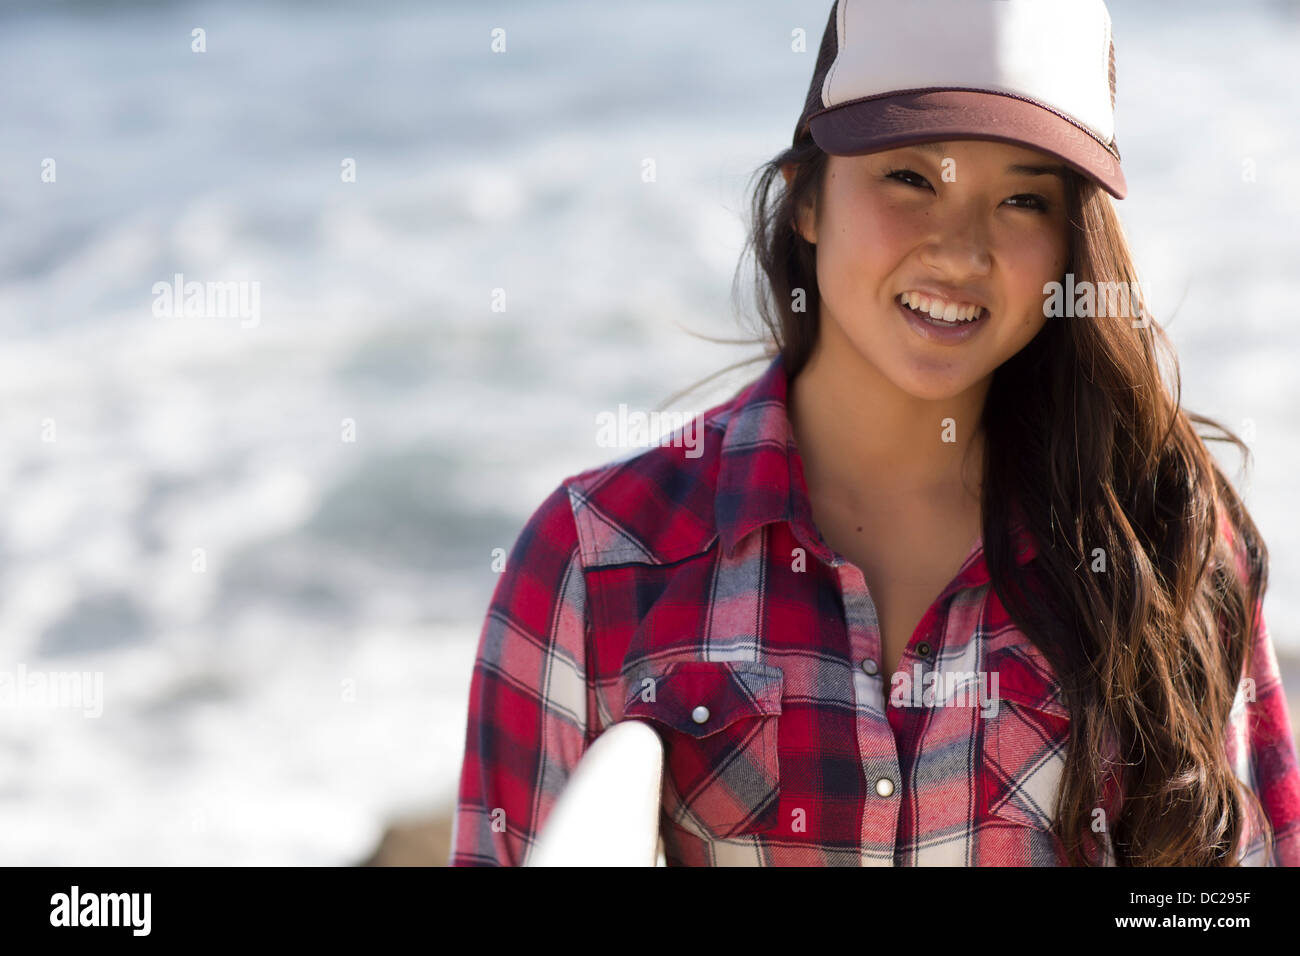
(761, 479)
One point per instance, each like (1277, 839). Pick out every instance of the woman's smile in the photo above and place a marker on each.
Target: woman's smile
(941, 331)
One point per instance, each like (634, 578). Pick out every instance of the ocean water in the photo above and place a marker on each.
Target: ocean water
(271, 536)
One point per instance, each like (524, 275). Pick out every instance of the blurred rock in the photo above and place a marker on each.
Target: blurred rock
(418, 841)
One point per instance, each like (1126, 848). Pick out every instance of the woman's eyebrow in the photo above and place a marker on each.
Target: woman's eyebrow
(1058, 171)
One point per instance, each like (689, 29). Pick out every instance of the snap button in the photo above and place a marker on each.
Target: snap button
(884, 786)
(869, 666)
(923, 649)
(700, 714)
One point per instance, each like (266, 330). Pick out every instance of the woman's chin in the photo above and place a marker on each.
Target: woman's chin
(935, 384)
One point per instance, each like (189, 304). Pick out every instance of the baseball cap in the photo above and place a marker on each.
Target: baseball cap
(1035, 73)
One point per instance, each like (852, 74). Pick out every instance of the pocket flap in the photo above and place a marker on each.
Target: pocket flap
(1025, 678)
(700, 698)
(1049, 703)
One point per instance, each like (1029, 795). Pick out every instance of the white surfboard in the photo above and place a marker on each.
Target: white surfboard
(608, 814)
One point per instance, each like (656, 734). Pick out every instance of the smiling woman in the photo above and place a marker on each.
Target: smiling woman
(934, 482)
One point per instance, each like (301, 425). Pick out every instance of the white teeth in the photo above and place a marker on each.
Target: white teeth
(939, 309)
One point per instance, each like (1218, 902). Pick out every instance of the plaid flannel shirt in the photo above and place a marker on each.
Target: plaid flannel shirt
(705, 580)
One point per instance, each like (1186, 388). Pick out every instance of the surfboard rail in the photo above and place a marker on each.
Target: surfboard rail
(608, 813)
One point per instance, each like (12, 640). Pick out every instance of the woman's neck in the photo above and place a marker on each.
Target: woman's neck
(865, 443)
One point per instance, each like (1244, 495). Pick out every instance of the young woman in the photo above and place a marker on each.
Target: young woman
(955, 581)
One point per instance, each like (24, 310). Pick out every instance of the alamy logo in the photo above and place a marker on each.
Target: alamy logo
(44, 689)
(218, 300)
(102, 909)
(636, 429)
(1100, 300)
(945, 689)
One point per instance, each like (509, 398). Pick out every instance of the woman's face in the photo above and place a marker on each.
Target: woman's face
(963, 219)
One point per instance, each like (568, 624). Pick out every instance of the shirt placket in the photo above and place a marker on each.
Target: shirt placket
(876, 743)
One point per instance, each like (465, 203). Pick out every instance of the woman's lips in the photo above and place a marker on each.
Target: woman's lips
(938, 331)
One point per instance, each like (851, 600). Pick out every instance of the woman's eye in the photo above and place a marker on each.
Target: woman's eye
(900, 173)
(1035, 202)
(1039, 202)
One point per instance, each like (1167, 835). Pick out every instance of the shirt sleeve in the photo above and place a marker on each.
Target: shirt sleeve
(1274, 768)
(1274, 763)
(528, 699)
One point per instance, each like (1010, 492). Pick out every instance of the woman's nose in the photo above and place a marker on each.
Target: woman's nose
(960, 240)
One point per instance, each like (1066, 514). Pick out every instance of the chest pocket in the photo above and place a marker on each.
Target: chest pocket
(1024, 759)
(718, 721)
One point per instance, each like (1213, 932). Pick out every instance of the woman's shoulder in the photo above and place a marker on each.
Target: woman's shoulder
(654, 504)
(658, 503)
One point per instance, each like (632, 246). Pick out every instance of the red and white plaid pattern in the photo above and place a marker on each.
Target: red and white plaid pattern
(661, 583)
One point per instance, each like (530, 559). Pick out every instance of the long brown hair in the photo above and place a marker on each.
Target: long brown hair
(1085, 430)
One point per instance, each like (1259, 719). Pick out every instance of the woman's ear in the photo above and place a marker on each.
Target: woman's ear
(806, 214)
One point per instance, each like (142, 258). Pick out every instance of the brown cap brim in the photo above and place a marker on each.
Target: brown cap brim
(921, 116)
